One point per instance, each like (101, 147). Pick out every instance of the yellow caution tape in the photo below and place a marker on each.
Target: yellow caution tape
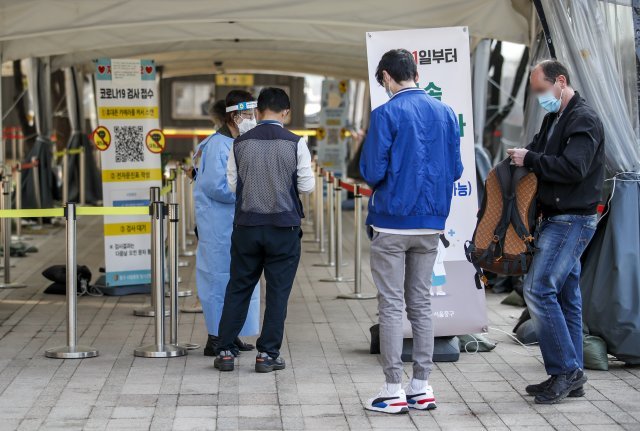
(45, 212)
(71, 152)
(97, 211)
(82, 211)
(165, 190)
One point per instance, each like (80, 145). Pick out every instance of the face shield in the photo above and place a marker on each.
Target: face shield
(244, 115)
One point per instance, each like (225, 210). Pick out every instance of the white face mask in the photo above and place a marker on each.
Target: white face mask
(246, 125)
(388, 90)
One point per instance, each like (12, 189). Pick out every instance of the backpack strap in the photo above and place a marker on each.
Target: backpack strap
(503, 171)
(516, 220)
(479, 277)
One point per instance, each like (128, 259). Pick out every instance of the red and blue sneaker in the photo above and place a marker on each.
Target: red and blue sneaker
(386, 402)
(422, 399)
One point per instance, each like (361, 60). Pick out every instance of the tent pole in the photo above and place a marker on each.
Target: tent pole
(1, 121)
(636, 27)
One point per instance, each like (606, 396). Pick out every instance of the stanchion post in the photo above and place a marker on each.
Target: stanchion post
(65, 176)
(173, 272)
(331, 216)
(160, 349)
(320, 212)
(72, 350)
(173, 198)
(357, 252)
(14, 144)
(182, 223)
(5, 204)
(35, 170)
(20, 145)
(83, 176)
(18, 199)
(317, 194)
(337, 235)
(150, 311)
(173, 218)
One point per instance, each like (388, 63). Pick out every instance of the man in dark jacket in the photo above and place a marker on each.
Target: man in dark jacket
(411, 158)
(567, 157)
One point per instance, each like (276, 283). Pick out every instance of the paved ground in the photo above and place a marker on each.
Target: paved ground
(329, 370)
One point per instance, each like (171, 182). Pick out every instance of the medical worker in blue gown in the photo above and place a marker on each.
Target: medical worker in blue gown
(215, 207)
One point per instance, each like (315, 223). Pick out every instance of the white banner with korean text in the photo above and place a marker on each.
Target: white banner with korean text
(443, 59)
(130, 142)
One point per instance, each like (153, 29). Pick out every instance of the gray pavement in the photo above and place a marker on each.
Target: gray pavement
(330, 372)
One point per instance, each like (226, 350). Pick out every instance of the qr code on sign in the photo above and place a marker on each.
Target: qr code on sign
(129, 142)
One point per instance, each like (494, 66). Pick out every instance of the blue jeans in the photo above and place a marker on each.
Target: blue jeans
(552, 290)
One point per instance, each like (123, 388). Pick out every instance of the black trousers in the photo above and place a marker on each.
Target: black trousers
(276, 251)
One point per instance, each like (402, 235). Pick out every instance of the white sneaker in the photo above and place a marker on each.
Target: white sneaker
(420, 400)
(386, 402)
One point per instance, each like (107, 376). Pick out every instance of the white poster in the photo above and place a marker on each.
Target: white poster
(332, 134)
(443, 59)
(130, 142)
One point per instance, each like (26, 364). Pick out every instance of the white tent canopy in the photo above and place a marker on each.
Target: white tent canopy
(323, 36)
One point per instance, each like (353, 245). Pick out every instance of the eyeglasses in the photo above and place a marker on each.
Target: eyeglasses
(248, 115)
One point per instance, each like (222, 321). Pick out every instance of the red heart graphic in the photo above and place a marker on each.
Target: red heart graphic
(149, 69)
(101, 69)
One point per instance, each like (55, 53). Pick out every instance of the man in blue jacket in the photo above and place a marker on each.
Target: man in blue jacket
(411, 159)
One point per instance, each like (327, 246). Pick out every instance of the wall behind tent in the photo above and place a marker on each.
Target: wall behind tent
(197, 92)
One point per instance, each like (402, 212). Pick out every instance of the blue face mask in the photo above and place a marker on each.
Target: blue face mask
(549, 102)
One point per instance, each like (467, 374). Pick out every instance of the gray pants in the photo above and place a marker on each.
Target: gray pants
(401, 266)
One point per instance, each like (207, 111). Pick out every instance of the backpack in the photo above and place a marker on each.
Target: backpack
(503, 241)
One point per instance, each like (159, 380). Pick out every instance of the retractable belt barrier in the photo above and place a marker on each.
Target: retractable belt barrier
(333, 198)
(158, 211)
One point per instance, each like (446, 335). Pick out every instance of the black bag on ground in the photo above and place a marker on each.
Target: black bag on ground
(58, 274)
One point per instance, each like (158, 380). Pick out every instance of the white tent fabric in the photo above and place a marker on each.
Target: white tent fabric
(324, 37)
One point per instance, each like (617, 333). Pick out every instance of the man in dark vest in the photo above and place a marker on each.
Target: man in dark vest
(567, 157)
(268, 167)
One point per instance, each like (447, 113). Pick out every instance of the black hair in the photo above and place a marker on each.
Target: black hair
(552, 69)
(399, 64)
(273, 99)
(233, 98)
(218, 110)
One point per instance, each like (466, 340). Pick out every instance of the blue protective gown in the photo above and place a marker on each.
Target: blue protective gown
(215, 207)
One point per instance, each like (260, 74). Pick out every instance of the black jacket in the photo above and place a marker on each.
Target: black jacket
(569, 165)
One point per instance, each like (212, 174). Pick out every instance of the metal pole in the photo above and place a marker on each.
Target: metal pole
(332, 222)
(159, 349)
(149, 310)
(173, 272)
(65, 177)
(14, 144)
(36, 185)
(191, 221)
(320, 211)
(357, 252)
(317, 194)
(18, 199)
(183, 227)
(173, 198)
(82, 173)
(71, 350)
(338, 235)
(174, 212)
(20, 146)
(6, 235)
(1, 119)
